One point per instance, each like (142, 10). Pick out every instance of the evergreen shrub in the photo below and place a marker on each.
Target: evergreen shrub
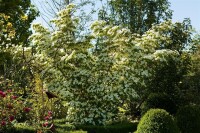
(157, 121)
(188, 119)
(159, 100)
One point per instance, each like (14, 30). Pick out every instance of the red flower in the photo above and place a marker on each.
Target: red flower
(46, 117)
(45, 124)
(14, 112)
(14, 97)
(2, 94)
(11, 118)
(9, 90)
(27, 109)
(9, 106)
(3, 123)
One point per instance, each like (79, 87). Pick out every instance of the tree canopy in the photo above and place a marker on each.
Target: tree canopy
(21, 13)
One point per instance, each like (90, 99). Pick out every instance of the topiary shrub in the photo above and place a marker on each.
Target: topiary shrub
(188, 119)
(157, 121)
(159, 100)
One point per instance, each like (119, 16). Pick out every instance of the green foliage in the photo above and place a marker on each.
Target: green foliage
(188, 119)
(159, 100)
(5, 62)
(168, 72)
(16, 67)
(157, 121)
(45, 108)
(168, 76)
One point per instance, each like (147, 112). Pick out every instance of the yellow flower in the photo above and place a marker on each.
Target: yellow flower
(24, 17)
(9, 25)
(6, 17)
(11, 33)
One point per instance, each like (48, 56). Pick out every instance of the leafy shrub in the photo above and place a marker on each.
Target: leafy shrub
(188, 119)
(157, 121)
(159, 100)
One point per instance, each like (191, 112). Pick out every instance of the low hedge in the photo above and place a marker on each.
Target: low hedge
(62, 127)
(116, 128)
(21, 129)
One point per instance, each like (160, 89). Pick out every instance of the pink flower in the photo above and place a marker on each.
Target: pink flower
(27, 109)
(2, 94)
(50, 113)
(46, 117)
(3, 123)
(14, 97)
(45, 124)
(9, 90)
(11, 118)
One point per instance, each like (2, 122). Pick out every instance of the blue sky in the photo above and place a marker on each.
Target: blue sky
(186, 9)
(182, 9)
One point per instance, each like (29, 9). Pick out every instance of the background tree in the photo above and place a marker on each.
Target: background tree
(190, 83)
(21, 13)
(137, 15)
